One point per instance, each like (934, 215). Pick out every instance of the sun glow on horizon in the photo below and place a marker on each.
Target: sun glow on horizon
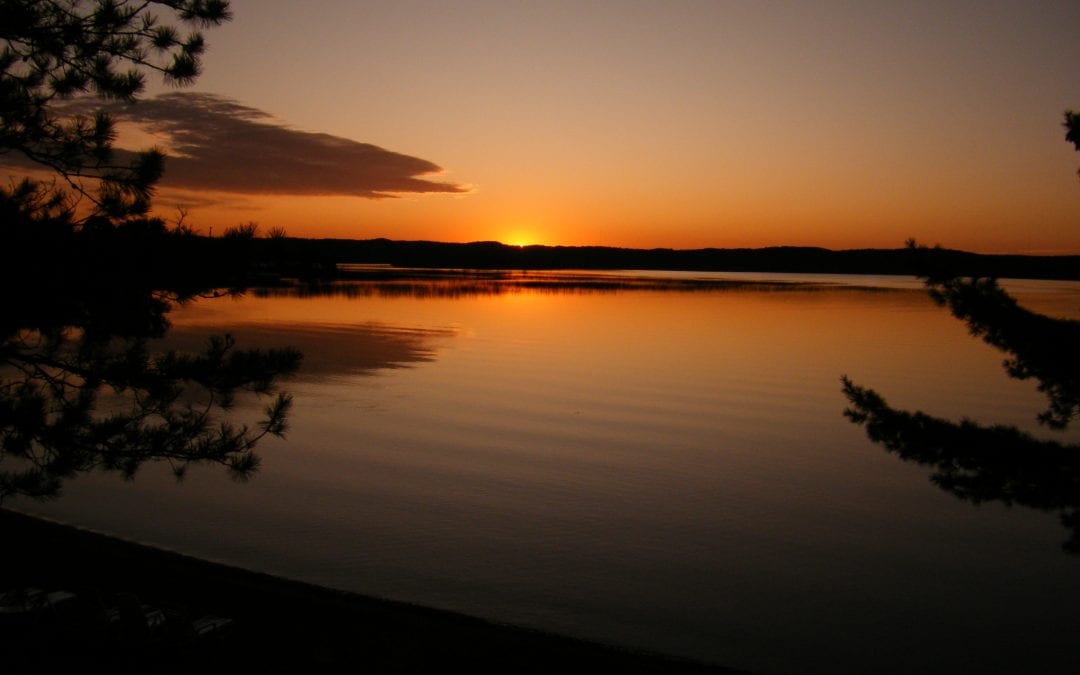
(520, 239)
(651, 127)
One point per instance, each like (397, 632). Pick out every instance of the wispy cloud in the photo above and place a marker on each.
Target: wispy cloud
(215, 143)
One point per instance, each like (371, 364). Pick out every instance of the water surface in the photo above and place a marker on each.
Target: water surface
(655, 464)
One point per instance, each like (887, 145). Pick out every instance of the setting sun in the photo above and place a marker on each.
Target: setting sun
(519, 238)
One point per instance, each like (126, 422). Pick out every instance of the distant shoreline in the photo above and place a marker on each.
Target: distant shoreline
(788, 259)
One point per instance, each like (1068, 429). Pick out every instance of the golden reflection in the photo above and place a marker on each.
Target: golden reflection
(337, 339)
(384, 281)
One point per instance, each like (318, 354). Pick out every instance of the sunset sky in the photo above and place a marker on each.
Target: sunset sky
(645, 124)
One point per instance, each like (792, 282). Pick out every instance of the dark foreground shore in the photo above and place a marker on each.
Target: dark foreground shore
(195, 616)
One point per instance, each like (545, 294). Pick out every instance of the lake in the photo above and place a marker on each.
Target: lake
(652, 460)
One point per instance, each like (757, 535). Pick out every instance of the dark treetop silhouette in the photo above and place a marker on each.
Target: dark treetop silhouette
(1072, 129)
(84, 297)
(979, 463)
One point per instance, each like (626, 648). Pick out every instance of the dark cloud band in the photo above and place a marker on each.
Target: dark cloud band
(214, 143)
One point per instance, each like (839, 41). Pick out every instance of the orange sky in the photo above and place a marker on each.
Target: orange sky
(677, 124)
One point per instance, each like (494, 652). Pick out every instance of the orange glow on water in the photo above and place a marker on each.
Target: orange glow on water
(599, 436)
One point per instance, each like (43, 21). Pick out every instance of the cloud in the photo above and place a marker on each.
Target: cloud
(215, 143)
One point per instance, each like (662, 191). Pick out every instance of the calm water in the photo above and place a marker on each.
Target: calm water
(659, 469)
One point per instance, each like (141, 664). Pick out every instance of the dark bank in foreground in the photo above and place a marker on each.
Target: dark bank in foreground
(271, 621)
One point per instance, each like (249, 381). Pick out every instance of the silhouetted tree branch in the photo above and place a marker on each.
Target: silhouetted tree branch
(81, 394)
(977, 463)
(57, 50)
(1039, 346)
(83, 384)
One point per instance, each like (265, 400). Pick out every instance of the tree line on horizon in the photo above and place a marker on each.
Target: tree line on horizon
(495, 255)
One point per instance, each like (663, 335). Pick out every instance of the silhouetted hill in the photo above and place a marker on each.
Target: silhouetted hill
(493, 255)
